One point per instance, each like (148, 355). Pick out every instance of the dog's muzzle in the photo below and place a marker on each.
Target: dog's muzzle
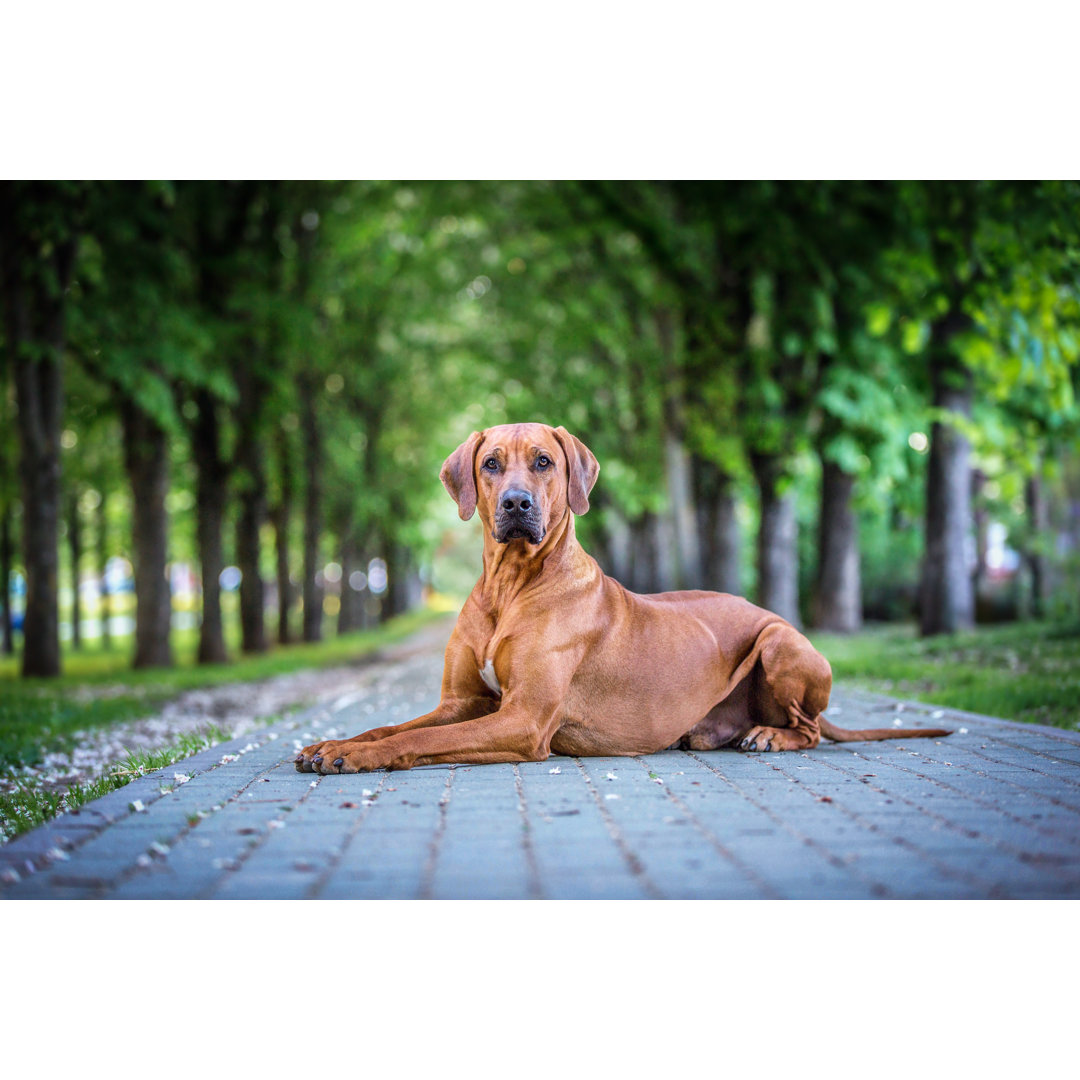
(518, 518)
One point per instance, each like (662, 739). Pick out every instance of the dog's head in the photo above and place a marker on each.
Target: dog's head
(522, 477)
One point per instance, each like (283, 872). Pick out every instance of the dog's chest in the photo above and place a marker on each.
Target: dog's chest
(487, 673)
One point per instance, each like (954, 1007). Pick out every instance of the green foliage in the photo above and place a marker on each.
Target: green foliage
(727, 319)
(1027, 671)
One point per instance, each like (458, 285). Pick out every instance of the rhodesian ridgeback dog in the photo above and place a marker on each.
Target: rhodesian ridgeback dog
(550, 655)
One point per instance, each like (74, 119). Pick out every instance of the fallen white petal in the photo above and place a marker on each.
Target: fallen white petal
(555, 771)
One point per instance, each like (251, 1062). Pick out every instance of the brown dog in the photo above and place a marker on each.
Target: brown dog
(549, 654)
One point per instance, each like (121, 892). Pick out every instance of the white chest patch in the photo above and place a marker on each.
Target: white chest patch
(487, 673)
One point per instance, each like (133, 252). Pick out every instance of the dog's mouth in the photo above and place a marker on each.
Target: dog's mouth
(517, 529)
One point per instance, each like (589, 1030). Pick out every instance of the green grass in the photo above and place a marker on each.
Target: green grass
(98, 688)
(30, 805)
(1021, 671)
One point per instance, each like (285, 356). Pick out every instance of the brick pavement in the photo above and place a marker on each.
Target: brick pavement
(992, 811)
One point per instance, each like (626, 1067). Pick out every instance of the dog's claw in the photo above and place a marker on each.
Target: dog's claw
(339, 762)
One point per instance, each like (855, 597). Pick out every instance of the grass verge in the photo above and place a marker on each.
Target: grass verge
(98, 688)
(1021, 671)
(29, 804)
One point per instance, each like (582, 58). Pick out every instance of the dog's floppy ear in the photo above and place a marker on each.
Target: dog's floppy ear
(584, 469)
(459, 478)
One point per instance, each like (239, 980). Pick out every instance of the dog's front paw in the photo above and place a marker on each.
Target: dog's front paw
(348, 757)
(311, 757)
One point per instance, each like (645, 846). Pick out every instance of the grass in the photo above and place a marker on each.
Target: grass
(1026, 671)
(30, 804)
(99, 689)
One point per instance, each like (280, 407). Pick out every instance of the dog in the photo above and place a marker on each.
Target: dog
(550, 655)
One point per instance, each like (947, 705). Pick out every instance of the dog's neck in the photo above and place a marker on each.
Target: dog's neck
(510, 568)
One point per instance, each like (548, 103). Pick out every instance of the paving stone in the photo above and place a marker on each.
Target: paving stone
(994, 812)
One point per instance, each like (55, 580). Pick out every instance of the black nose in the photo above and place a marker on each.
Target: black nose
(516, 502)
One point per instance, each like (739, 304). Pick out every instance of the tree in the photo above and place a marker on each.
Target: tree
(40, 225)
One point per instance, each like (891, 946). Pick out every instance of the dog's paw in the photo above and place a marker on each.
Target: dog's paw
(759, 739)
(311, 757)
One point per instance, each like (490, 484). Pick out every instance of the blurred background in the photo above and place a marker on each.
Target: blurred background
(223, 406)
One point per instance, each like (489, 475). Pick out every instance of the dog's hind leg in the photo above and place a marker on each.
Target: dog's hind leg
(791, 691)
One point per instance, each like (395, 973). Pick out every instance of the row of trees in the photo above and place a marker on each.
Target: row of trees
(284, 365)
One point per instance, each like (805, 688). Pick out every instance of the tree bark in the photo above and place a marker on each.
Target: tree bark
(684, 525)
(104, 597)
(74, 537)
(947, 597)
(838, 597)
(210, 496)
(981, 520)
(646, 554)
(252, 496)
(1038, 522)
(146, 457)
(7, 635)
(312, 590)
(280, 516)
(349, 612)
(403, 585)
(718, 527)
(778, 534)
(34, 283)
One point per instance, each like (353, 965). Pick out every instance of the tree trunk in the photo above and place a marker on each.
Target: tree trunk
(104, 597)
(838, 598)
(312, 590)
(981, 519)
(947, 598)
(280, 517)
(34, 287)
(645, 554)
(1038, 522)
(74, 536)
(7, 636)
(778, 534)
(403, 588)
(252, 493)
(210, 496)
(684, 527)
(718, 527)
(349, 612)
(146, 456)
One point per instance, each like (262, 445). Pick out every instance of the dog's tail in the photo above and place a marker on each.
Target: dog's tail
(876, 734)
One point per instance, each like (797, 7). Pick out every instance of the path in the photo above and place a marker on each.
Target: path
(992, 811)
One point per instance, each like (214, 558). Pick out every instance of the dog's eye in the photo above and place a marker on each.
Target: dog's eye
(543, 461)
(491, 464)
